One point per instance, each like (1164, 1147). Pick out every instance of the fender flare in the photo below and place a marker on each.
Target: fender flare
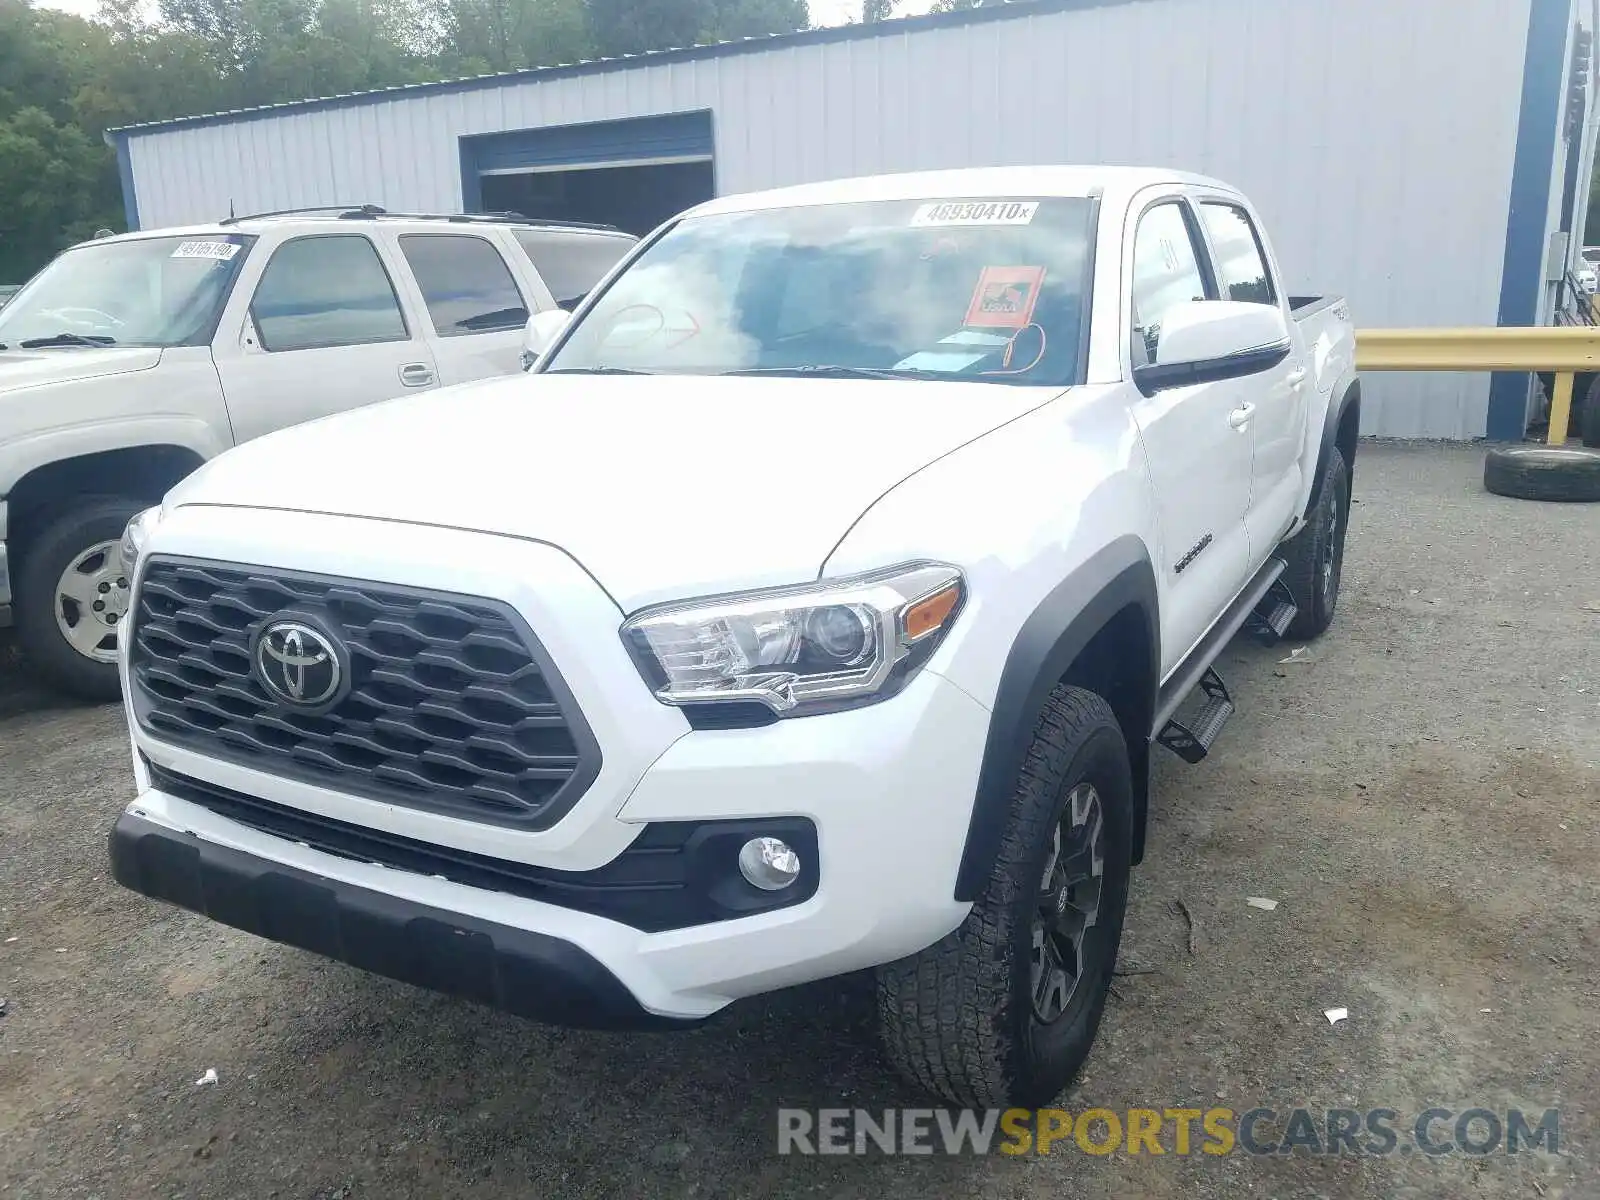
(1118, 576)
(1346, 391)
(26, 455)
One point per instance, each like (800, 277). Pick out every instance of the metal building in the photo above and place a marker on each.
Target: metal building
(1427, 158)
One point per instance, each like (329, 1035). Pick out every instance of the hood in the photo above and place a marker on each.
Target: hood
(30, 368)
(662, 487)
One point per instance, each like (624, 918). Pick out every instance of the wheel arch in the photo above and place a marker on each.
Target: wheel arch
(142, 472)
(1098, 629)
(1341, 428)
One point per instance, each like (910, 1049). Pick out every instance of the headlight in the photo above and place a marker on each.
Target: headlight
(800, 650)
(133, 538)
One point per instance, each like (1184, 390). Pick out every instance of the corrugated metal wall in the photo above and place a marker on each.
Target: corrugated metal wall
(1376, 136)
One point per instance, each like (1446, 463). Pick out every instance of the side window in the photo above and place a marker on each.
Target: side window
(466, 284)
(1241, 265)
(572, 263)
(326, 291)
(1166, 271)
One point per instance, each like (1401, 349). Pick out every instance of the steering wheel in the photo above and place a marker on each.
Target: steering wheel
(104, 318)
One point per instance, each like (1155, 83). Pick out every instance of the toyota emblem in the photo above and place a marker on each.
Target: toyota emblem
(298, 664)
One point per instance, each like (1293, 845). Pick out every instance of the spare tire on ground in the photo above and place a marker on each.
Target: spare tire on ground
(1543, 472)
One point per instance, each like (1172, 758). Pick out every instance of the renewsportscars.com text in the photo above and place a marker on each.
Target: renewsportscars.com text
(1218, 1132)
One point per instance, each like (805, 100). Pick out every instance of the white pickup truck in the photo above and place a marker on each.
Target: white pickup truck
(815, 609)
(129, 361)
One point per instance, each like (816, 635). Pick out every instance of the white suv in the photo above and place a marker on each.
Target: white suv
(130, 360)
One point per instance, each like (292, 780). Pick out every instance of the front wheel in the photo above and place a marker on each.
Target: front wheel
(72, 597)
(1003, 1011)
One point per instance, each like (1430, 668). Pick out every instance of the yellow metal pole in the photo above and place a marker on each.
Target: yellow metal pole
(1560, 409)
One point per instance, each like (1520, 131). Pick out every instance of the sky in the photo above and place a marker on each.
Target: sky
(823, 12)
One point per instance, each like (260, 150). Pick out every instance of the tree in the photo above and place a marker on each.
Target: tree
(876, 10)
(508, 35)
(632, 27)
(57, 184)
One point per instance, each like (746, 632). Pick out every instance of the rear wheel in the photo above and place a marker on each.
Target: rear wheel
(1315, 555)
(1003, 1011)
(72, 597)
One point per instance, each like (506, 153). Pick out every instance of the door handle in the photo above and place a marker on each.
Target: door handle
(1297, 379)
(416, 374)
(1240, 417)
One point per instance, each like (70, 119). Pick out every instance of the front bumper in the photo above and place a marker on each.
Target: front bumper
(529, 974)
(888, 790)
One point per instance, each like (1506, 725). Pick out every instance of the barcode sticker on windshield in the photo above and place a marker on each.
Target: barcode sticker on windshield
(981, 212)
(221, 251)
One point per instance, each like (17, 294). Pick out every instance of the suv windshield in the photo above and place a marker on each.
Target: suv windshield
(990, 289)
(163, 291)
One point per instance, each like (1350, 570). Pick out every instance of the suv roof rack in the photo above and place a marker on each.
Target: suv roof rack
(372, 212)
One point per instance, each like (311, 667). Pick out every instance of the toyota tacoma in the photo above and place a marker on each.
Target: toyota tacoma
(816, 610)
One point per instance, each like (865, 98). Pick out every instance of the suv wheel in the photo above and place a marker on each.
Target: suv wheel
(1003, 1011)
(72, 596)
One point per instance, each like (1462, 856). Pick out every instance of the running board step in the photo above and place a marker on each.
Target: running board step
(1193, 741)
(1271, 618)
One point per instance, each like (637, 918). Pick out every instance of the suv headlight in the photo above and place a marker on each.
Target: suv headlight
(822, 646)
(134, 536)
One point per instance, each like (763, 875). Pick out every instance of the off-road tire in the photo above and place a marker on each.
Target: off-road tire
(1313, 575)
(66, 535)
(958, 1018)
(1542, 472)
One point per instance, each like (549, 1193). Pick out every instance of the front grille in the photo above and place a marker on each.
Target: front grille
(452, 707)
(675, 874)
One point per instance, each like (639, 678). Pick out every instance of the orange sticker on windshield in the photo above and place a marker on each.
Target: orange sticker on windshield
(1004, 297)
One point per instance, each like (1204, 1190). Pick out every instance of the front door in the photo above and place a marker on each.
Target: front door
(1198, 450)
(324, 333)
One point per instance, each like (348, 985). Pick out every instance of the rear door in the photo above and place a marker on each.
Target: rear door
(324, 331)
(572, 261)
(1199, 458)
(1279, 394)
(474, 305)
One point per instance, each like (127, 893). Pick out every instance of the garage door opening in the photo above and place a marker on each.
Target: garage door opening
(635, 197)
(633, 173)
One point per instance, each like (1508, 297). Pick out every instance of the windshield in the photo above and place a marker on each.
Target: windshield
(165, 291)
(987, 289)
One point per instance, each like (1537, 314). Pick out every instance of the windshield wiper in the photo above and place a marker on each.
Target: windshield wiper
(595, 371)
(67, 339)
(835, 370)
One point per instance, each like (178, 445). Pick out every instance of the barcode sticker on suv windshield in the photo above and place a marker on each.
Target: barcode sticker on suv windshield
(980, 212)
(221, 251)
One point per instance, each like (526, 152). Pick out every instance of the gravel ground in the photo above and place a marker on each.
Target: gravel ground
(1419, 795)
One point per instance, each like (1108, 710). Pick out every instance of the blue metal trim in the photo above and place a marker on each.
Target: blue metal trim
(757, 45)
(471, 181)
(671, 135)
(1544, 71)
(130, 198)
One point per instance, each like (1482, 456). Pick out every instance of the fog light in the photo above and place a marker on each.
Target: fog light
(769, 863)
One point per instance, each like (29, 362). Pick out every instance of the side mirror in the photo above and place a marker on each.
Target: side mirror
(540, 333)
(1205, 340)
